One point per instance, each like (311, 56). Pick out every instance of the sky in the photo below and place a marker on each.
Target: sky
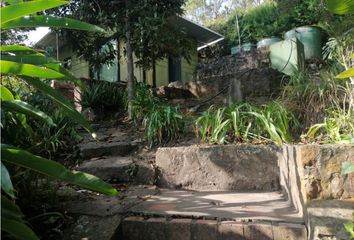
(35, 35)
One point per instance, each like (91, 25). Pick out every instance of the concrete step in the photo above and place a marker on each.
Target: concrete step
(98, 149)
(216, 215)
(223, 205)
(119, 169)
(154, 228)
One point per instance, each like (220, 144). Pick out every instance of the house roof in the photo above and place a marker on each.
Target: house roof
(203, 35)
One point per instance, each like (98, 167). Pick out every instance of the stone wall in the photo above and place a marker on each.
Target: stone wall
(309, 175)
(219, 167)
(70, 91)
(251, 68)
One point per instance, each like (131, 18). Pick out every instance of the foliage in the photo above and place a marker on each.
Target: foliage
(338, 127)
(152, 35)
(143, 102)
(30, 65)
(162, 123)
(272, 18)
(104, 95)
(308, 95)
(246, 123)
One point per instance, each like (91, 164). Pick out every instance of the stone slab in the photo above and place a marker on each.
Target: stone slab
(288, 231)
(220, 205)
(258, 231)
(114, 168)
(102, 206)
(219, 167)
(326, 218)
(230, 230)
(178, 229)
(98, 149)
(204, 230)
(94, 228)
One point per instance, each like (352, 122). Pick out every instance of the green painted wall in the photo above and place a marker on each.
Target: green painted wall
(80, 68)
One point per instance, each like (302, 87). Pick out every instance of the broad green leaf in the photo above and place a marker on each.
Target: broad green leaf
(14, 1)
(50, 21)
(18, 229)
(349, 227)
(6, 94)
(62, 101)
(14, 68)
(28, 59)
(18, 49)
(10, 210)
(68, 76)
(53, 169)
(340, 6)
(347, 167)
(45, 62)
(14, 11)
(346, 74)
(6, 184)
(27, 109)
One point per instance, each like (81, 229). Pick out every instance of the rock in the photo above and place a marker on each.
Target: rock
(171, 93)
(176, 84)
(94, 228)
(98, 149)
(114, 168)
(230, 167)
(326, 219)
(322, 164)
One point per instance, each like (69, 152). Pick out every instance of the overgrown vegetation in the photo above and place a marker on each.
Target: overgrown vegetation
(31, 67)
(161, 122)
(245, 123)
(104, 97)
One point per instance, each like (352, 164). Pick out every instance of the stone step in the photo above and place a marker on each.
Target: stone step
(158, 228)
(119, 169)
(222, 205)
(217, 215)
(98, 149)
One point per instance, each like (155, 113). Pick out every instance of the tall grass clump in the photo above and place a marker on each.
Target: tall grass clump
(308, 96)
(162, 123)
(246, 123)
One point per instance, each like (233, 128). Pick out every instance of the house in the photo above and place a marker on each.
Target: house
(162, 73)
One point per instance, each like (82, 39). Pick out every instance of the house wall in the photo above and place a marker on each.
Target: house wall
(161, 69)
(80, 68)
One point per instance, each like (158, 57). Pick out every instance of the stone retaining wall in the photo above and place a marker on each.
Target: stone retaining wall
(220, 167)
(259, 80)
(310, 175)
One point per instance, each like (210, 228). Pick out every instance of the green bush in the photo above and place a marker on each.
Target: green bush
(272, 18)
(104, 96)
(338, 127)
(162, 123)
(246, 123)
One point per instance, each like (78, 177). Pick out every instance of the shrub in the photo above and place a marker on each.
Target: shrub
(246, 123)
(162, 123)
(308, 96)
(105, 96)
(338, 127)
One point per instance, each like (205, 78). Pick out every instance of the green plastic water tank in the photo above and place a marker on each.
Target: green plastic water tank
(247, 47)
(311, 38)
(266, 42)
(235, 50)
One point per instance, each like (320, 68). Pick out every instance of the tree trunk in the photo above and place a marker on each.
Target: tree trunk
(130, 68)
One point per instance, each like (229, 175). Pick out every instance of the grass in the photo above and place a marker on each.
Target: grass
(162, 123)
(246, 123)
